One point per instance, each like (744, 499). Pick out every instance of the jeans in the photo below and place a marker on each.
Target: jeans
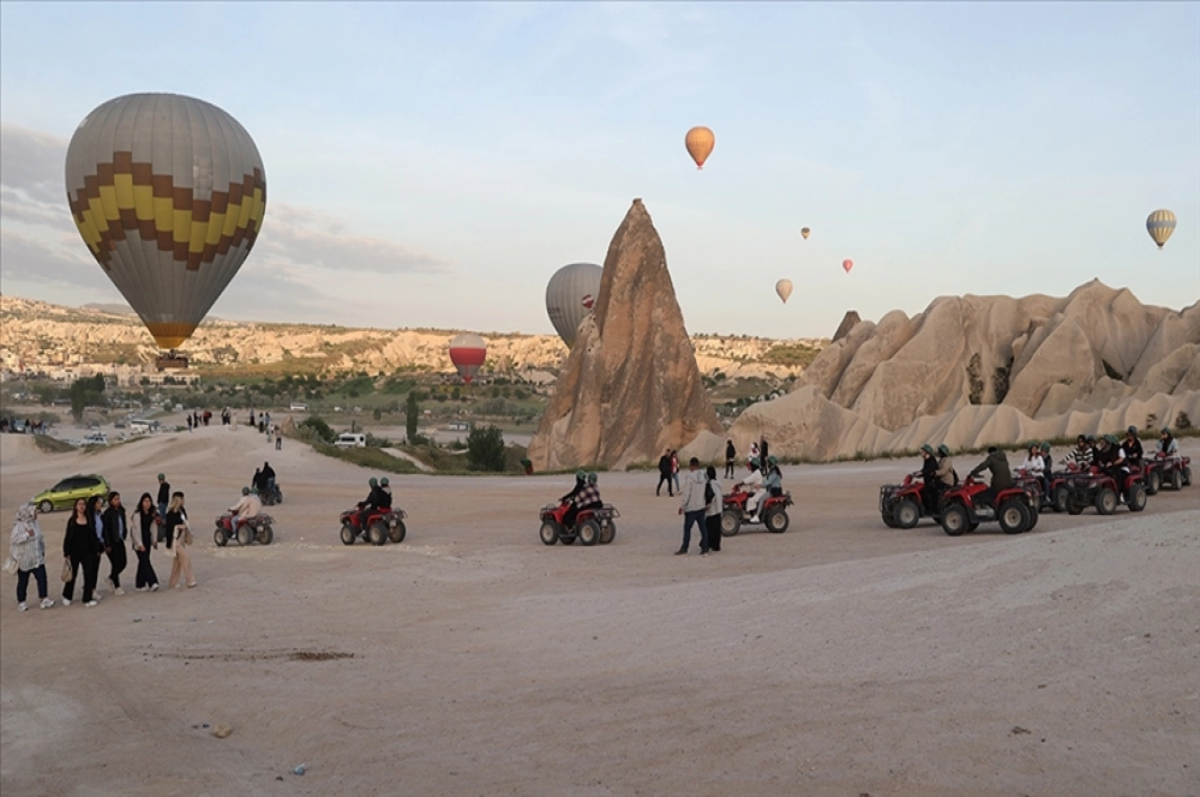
(696, 517)
(675, 478)
(39, 574)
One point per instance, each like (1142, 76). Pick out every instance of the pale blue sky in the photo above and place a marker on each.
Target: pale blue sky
(433, 164)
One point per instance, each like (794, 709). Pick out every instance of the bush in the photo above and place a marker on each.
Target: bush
(314, 428)
(1182, 421)
(485, 448)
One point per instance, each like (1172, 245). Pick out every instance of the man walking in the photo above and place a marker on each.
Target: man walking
(692, 508)
(664, 474)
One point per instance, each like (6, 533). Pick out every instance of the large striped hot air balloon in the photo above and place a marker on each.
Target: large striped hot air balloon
(467, 352)
(570, 295)
(169, 195)
(1160, 224)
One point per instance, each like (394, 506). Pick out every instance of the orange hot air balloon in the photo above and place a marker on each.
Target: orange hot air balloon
(699, 143)
(805, 231)
(847, 264)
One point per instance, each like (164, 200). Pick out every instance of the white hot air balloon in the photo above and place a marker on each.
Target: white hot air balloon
(570, 296)
(784, 289)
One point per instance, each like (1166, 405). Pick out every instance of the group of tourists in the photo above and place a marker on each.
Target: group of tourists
(100, 529)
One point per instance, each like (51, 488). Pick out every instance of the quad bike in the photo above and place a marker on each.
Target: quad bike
(1174, 472)
(271, 496)
(772, 512)
(1100, 490)
(1060, 487)
(902, 505)
(382, 525)
(592, 526)
(259, 528)
(1015, 508)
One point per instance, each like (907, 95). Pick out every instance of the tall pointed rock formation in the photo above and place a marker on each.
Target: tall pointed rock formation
(630, 387)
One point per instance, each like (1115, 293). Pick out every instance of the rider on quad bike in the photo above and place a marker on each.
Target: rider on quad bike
(569, 498)
(245, 509)
(365, 508)
(752, 484)
(929, 476)
(997, 464)
(587, 498)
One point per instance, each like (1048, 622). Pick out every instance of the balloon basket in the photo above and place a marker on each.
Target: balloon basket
(171, 360)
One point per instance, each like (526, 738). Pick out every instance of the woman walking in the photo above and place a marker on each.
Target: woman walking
(713, 509)
(81, 548)
(143, 533)
(178, 537)
(95, 512)
(28, 549)
(116, 532)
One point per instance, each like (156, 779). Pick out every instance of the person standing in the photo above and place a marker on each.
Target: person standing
(675, 468)
(164, 495)
(80, 548)
(278, 439)
(712, 514)
(189, 424)
(116, 532)
(28, 550)
(178, 535)
(664, 474)
(144, 517)
(692, 508)
(95, 512)
(762, 450)
(730, 459)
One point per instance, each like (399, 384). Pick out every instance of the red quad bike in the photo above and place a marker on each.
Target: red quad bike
(592, 526)
(1060, 487)
(1016, 509)
(772, 512)
(1174, 472)
(260, 528)
(383, 525)
(1099, 490)
(902, 506)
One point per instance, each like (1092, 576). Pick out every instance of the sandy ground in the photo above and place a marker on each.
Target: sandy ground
(840, 658)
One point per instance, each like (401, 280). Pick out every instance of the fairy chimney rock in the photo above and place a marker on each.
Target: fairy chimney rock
(630, 387)
(849, 322)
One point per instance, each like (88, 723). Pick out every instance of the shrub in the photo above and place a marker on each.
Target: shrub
(1182, 421)
(485, 448)
(314, 428)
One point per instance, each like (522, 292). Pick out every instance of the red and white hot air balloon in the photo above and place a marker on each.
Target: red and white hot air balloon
(847, 265)
(467, 352)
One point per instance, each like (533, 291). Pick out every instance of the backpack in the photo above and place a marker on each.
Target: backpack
(709, 495)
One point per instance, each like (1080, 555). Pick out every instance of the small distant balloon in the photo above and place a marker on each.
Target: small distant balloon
(847, 265)
(784, 289)
(699, 142)
(805, 231)
(1160, 224)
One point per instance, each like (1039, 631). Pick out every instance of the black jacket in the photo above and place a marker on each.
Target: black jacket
(579, 483)
(164, 493)
(929, 468)
(383, 497)
(1133, 451)
(997, 463)
(80, 540)
(730, 452)
(664, 465)
(116, 527)
(173, 519)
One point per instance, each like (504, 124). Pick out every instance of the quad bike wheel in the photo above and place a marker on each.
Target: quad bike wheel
(607, 531)
(589, 532)
(378, 533)
(887, 518)
(220, 537)
(266, 534)
(1075, 504)
(1061, 496)
(1135, 497)
(731, 524)
(906, 514)
(1034, 514)
(1013, 515)
(548, 533)
(1153, 482)
(398, 532)
(347, 534)
(955, 519)
(1186, 478)
(1106, 501)
(245, 535)
(1177, 480)
(777, 521)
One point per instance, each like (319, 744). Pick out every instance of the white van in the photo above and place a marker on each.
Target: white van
(298, 406)
(141, 426)
(351, 440)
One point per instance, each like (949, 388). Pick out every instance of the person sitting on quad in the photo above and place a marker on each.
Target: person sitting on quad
(1002, 478)
(947, 476)
(929, 468)
(773, 484)
(1079, 457)
(1033, 464)
(365, 508)
(244, 509)
(1047, 468)
(1115, 461)
(752, 484)
(588, 497)
(1132, 447)
(385, 494)
(1166, 446)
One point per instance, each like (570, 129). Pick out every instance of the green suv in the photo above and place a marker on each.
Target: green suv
(64, 494)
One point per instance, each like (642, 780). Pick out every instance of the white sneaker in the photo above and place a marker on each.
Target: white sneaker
(66, 602)
(22, 607)
(154, 587)
(754, 518)
(47, 603)
(141, 589)
(120, 591)
(90, 603)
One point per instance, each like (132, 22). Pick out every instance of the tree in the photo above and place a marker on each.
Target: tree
(315, 426)
(412, 411)
(485, 448)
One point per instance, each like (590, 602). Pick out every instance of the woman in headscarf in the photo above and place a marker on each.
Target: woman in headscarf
(28, 549)
(177, 532)
(80, 547)
(144, 516)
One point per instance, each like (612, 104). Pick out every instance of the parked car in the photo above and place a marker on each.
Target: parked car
(95, 439)
(298, 406)
(351, 440)
(64, 494)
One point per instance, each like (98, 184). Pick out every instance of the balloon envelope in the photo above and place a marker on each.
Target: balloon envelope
(700, 142)
(847, 265)
(805, 233)
(784, 289)
(467, 352)
(1160, 224)
(570, 295)
(169, 195)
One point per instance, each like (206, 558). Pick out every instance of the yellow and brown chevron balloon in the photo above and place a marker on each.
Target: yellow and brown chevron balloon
(169, 194)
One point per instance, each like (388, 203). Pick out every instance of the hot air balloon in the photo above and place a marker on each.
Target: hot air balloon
(847, 265)
(1160, 224)
(570, 295)
(169, 195)
(805, 231)
(699, 143)
(784, 289)
(467, 352)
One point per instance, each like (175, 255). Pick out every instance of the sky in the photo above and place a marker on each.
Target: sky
(433, 164)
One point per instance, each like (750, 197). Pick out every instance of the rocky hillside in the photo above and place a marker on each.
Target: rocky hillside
(39, 334)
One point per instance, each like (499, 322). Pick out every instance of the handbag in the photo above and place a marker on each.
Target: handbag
(188, 539)
(68, 572)
(10, 566)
